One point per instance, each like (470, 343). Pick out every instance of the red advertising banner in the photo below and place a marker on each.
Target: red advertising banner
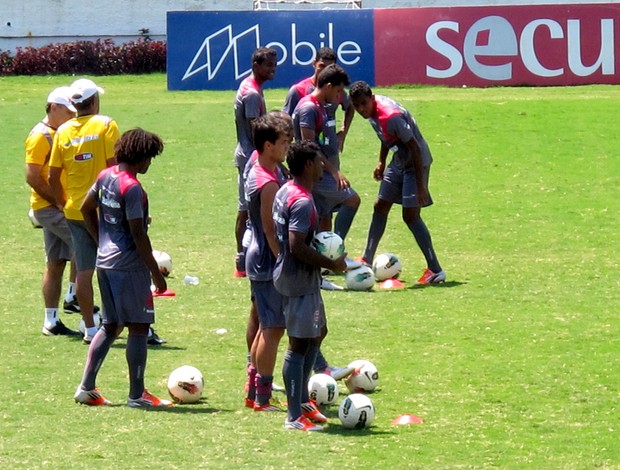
(501, 45)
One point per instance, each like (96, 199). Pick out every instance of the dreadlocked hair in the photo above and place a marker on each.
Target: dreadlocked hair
(137, 145)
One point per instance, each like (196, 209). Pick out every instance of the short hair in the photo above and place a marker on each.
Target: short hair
(86, 104)
(263, 54)
(359, 89)
(300, 153)
(334, 75)
(137, 145)
(268, 128)
(326, 53)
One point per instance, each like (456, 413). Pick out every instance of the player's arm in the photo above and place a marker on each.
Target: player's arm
(58, 193)
(267, 196)
(418, 168)
(377, 173)
(349, 113)
(145, 251)
(89, 212)
(38, 183)
(111, 136)
(307, 254)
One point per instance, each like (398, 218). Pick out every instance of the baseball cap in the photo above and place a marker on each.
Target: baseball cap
(61, 95)
(83, 89)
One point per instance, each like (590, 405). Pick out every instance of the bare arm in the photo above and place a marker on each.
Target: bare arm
(89, 211)
(267, 195)
(56, 187)
(38, 183)
(305, 253)
(349, 113)
(145, 250)
(377, 173)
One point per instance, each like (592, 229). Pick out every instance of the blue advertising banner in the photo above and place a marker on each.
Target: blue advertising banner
(212, 50)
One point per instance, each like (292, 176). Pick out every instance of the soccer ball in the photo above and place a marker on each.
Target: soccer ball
(164, 261)
(356, 411)
(361, 278)
(364, 378)
(386, 266)
(323, 389)
(98, 322)
(328, 244)
(33, 220)
(185, 384)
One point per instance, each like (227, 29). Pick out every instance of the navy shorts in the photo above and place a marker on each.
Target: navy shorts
(269, 304)
(399, 186)
(305, 315)
(126, 296)
(84, 246)
(242, 202)
(56, 234)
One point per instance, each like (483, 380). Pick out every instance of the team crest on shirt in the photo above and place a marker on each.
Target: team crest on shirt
(83, 157)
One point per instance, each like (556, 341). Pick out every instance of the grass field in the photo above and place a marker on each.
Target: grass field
(512, 363)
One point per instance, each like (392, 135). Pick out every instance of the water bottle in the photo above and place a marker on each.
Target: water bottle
(191, 280)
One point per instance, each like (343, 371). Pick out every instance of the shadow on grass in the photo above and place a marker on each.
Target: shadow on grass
(121, 344)
(195, 408)
(443, 285)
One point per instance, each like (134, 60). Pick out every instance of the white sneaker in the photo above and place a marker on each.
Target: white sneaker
(328, 285)
(352, 263)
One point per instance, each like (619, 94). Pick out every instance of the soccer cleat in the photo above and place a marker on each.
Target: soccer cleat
(147, 401)
(362, 261)
(90, 397)
(249, 403)
(328, 285)
(154, 339)
(302, 424)
(429, 277)
(239, 265)
(338, 373)
(271, 405)
(310, 411)
(87, 339)
(74, 307)
(59, 329)
(353, 263)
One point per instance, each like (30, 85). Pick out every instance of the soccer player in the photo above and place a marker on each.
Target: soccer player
(56, 235)
(249, 105)
(324, 56)
(405, 180)
(115, 211)
(83, 146)
(297, 276)
(272, 138)
(313, 122)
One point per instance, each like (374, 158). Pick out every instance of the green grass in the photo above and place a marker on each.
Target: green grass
(513, 363)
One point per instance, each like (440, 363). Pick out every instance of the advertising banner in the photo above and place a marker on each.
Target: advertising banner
(213, 50)
(474, 46)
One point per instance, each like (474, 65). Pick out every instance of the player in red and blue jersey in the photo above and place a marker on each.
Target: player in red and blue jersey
(249, 105)
(116, 215)
(297, 276)
(405, 180)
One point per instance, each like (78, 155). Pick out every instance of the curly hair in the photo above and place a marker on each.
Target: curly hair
(137, 145)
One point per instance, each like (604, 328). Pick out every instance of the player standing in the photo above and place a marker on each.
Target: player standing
(249, 105)
(297, 275)
(56, 235)
(405, 180)
(272, 136)
(116, 214)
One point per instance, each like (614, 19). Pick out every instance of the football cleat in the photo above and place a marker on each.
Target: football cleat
(271, 405)
(90, 397)
(302, 424)
(74, 307)
(429, 277)
(147, 400)
(328, 285)
(59, 329)
(310, 411)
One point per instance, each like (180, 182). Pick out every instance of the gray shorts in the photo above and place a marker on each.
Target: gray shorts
(56, 234)
(84, 246)
(269, 304)
(399, 186)
(305, 315)
(242, 203)
(327, 196)
(126, 296)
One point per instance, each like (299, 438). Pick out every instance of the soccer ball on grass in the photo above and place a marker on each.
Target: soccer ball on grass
(386, 266)
(323, 389)
(364, 378)
(361, 278)
(356, 411)
(185, 384)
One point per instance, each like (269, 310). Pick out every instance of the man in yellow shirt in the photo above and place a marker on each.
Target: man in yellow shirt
(83, 146)
(56, 235)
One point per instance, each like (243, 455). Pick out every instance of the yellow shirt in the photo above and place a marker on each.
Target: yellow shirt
(82, 147)
(38, 148)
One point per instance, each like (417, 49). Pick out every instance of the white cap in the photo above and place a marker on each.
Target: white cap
(83, 89)
(61, 95)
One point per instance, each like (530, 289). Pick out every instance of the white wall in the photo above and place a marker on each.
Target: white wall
(39, 22)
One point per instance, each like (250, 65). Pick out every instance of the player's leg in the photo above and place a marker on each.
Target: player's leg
(346, 214)
(240, 225)
(377, 228)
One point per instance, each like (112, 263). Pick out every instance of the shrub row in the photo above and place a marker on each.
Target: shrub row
(101, 57)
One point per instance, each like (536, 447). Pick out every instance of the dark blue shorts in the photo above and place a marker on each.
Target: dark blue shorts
(269, 304)
(126, 296)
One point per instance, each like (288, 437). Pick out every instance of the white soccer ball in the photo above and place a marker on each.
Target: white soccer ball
(364, 378)
(328, 244)
(33, 220)
(356, 411)
(185, 384)
(386, 266)
(323, 389)
(361, 278)
(164, 261)
(96, 318)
